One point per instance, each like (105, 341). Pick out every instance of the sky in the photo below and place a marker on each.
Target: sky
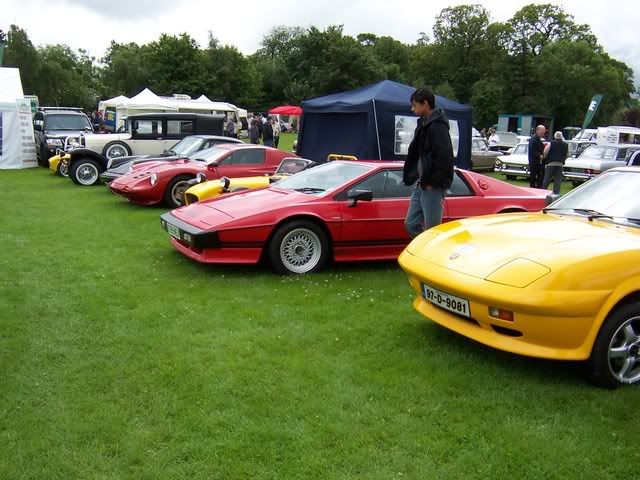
(93, 24)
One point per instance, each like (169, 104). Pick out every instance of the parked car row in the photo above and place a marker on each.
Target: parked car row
(549, 280)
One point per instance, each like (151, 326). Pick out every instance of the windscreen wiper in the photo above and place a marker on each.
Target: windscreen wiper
(309, 189)
(592, 214)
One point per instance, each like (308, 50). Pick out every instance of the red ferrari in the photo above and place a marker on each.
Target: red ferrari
(342, 210)
(153, 182)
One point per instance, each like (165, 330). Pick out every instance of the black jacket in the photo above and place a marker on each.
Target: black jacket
(536, 149)
(267, 132)
(558, 150)
(431, 145)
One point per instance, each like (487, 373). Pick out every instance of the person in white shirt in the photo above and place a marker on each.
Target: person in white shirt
(494, 140)
(276, 131)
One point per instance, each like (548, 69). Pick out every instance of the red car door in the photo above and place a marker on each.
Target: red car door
(377, 226)
(243, 162)
(462, 201)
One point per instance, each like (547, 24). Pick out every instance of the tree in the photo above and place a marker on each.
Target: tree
(461, 47)
(230, 76)
(125, 71)
(175, 65)
(21, 53)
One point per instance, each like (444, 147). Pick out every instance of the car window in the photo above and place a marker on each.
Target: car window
(148, 128)
(253, 156)
(621, 154)
(395, 187)
(459, 187)
(67, 122)
(521, 149)
(179, 128)
(374, 183)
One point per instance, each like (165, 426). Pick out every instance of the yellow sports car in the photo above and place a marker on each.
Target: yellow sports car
(203, 189)
(563, 283)
(59, 164)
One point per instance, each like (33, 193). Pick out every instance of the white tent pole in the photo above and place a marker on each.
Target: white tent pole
(375, 117)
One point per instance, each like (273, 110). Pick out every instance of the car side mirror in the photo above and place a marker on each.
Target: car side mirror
(359, 195)
(549, 199)
(96, 128)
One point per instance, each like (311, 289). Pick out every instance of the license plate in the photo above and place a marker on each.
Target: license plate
(173, 231)
(446, 300)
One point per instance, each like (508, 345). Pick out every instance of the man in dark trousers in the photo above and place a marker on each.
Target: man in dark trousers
(536, 150)
(555, 154)
(429, 164)
(267, 133)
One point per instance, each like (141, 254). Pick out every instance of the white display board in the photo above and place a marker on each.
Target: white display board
(17, 145)
(405, 127)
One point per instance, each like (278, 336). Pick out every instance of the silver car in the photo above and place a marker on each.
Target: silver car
(481, 157)
(594, 160)
(516, 164)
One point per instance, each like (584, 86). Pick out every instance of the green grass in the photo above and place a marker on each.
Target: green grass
(120, 358)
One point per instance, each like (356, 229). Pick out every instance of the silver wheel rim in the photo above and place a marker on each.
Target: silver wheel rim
(300, 250)
(87, 174)
(177, 193)
(116, 151)
(64, 169)
(624, 352)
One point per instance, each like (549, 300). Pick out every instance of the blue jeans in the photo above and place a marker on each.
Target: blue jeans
(425, 210)
(268, 143)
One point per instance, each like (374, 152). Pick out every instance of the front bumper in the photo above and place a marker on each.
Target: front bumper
(546, 324)
(205, 246)
(138, 195)
(519, 170)
(577, 175)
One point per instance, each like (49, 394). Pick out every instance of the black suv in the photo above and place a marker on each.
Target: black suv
(51, 125)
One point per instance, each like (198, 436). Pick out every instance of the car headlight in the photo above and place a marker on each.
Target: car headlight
(201, 177)
(54, 142)
(498, 164)
(153, 178)
(224, 183)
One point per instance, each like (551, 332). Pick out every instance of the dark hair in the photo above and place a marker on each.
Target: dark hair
(422, 95)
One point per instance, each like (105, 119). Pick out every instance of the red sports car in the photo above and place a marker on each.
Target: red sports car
(342, 210)
(153, 182)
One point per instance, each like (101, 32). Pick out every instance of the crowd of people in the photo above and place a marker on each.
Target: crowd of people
(266, 129)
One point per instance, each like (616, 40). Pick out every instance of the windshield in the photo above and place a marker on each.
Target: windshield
(324, 177)
(521, 149)
(611, 194)
(583, 135)
(187, 146)
(599, 153)
(209, 155)
(289, 166)
(68, 122)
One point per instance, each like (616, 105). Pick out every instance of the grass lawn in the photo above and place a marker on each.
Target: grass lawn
(120, 358)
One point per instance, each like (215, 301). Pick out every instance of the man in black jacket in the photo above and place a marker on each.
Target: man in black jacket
(555, 155)
(429, 164)
(536, 150)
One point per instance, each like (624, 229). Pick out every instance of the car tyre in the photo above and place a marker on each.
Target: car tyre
(63, 169)
(298, 247)
(615, 358)
(85, 172)
(174, 193)
(116, 149)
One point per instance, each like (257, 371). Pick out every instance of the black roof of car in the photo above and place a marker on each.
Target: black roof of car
(61, 110)
(176, 116)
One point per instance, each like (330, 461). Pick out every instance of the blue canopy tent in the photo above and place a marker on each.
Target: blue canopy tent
(374, 122)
